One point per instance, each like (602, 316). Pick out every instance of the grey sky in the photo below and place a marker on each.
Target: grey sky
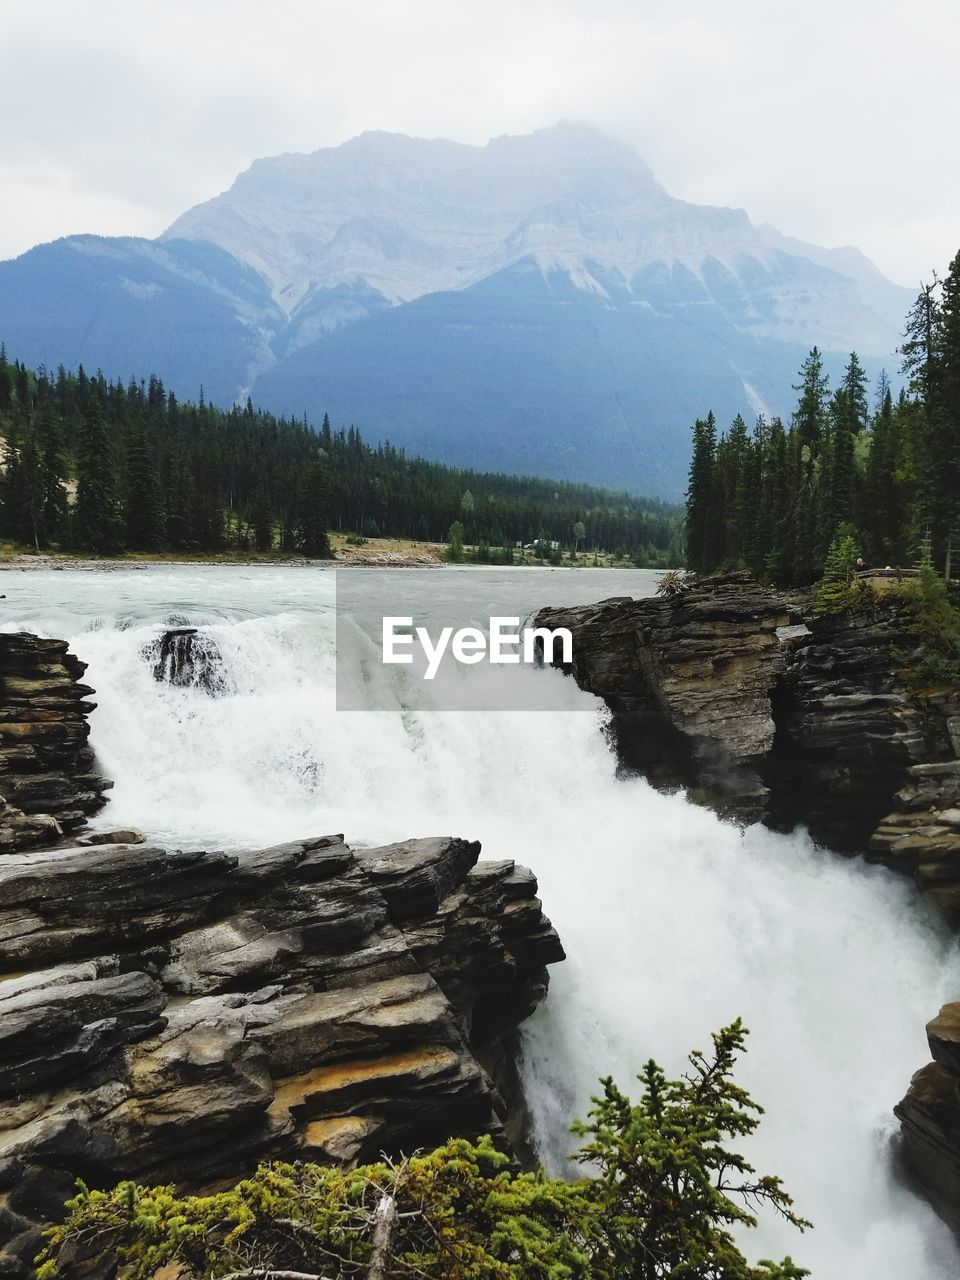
(835, 121)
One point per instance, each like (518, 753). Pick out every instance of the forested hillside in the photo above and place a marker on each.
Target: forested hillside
(882, 470)
(101, 467)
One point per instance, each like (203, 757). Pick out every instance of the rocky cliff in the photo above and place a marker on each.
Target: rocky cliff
(47, 787)
(767, 712)
(930, 1118)
(179, 1016)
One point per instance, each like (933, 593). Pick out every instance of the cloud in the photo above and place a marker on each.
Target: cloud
(831, 121)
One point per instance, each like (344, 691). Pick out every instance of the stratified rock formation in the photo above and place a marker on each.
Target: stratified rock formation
(930, 1118)
(741, 695)
(174, 1016)
(47, 788)
(688, 679)
(178, 1016)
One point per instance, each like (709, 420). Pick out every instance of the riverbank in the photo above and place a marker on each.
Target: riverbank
(383, 553)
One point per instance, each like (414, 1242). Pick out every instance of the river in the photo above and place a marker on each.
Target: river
(674, 921)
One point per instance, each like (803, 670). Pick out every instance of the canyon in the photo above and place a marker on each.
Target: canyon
(216, 722)
(753, 704)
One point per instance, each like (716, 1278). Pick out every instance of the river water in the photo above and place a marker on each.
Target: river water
(674, 922)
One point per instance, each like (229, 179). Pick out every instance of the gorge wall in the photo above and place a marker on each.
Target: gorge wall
(768, 713)
(178, 1016)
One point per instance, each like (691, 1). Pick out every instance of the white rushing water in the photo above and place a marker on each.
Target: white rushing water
(674, 922)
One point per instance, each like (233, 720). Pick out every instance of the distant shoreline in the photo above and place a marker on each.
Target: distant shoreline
(108, 564)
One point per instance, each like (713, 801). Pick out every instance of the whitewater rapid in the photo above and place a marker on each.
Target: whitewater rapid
(674, 922)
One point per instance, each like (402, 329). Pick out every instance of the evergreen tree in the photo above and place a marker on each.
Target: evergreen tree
(836, 591)
(854, 385)
(810, 413)
(142, 507)
(314, 519)
(701, 497)
(97, 517)
(455, 543)
(54, 471)
(945, 445)
(839, 489)
(667, 1196)
(262, 520)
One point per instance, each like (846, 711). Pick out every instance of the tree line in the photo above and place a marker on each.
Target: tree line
(885, 474)
(102, 467)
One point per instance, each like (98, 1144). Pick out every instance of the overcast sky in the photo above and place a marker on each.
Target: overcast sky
(836, 121)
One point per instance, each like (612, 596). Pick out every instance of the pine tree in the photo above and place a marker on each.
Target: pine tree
(455, 543)
(314, 521)
(775, 507)
(97, 517)
(836, 591)
(854, 384)
(809, 417)
(732, 476)
(701, 497)
(142, 509)
(839, 492)
(262, 519)
(946, 443)
(54, 470)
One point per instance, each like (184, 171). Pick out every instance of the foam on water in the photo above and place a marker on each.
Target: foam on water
(674, 922)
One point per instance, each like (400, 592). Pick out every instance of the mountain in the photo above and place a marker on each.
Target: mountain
(540, 303)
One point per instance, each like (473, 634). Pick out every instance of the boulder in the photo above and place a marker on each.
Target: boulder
(189, 659)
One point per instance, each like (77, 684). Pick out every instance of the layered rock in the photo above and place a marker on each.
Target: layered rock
(177, 1016)
(849, 728)
(930, 1118)
(688, 679)
(47, 784)
(762, 709)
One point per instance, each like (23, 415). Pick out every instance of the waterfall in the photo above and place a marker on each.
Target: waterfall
(674, 922)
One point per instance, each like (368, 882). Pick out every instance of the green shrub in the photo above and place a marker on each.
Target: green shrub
(838, 591)
(664, 1195)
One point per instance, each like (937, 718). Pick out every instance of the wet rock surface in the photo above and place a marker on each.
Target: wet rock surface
(765, 711)
(48, 784)
(188, 659)
(688, 679)
(177, 1016)
(929, 1118)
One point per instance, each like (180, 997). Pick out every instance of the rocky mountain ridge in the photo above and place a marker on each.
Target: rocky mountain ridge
(412, 216)
(539, 304)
